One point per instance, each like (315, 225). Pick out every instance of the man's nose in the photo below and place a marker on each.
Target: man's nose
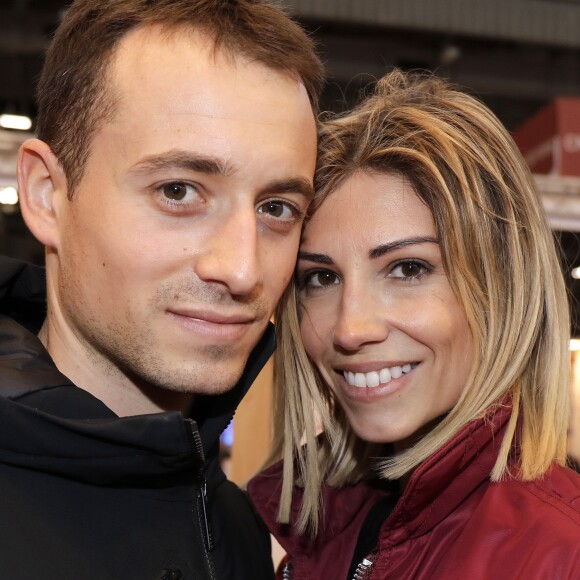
(232, 255)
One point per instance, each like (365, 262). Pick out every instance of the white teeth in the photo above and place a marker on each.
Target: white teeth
(374, 378)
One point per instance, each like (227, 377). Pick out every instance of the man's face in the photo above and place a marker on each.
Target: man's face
(183, 232)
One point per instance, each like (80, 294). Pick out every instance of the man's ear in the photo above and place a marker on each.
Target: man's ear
(42, 188)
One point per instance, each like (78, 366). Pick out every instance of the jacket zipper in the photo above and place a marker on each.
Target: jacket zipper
(202, 498)
(202, 507)
(287, 571)
(362, 572)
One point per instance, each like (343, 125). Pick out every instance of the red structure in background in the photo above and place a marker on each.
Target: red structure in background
(550, 140)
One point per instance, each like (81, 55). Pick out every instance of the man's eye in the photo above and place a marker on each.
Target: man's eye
(278, 209)
(177, 191)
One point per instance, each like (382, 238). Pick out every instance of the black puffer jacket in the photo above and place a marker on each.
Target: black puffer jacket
(87, 495)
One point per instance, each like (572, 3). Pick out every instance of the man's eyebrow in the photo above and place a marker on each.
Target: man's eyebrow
(316, 258)
(398, 244)
(291, 185)
(215, 166)
(183, 160)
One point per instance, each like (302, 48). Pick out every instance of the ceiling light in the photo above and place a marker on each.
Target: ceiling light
(8, 196)
(575, 273)
(15, 122)
(574, 344)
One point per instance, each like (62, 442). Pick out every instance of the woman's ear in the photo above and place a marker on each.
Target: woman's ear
(42, 187)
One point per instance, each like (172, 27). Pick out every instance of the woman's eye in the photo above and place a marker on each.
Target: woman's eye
(177, 191)
(409, 270)
(320, 279)
(278, 209)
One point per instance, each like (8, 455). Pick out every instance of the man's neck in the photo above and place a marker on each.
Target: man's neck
(105, 381)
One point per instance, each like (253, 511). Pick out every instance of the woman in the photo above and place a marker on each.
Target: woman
(434, 325)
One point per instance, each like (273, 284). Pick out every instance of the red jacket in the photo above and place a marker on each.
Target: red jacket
(450, 523)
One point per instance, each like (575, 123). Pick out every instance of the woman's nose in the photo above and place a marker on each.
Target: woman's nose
(360, 321)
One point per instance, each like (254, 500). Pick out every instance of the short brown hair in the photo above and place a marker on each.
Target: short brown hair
(72, 93)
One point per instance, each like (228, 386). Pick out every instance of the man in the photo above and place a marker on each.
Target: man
(174, 163)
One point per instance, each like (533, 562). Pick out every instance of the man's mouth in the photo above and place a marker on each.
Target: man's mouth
(213, 317)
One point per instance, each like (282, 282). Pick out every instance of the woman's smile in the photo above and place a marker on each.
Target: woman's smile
(376, 378)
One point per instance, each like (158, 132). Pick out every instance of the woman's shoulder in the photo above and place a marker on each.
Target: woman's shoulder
(553, 501)
(518, 529)
(560, 489)
(264, 490)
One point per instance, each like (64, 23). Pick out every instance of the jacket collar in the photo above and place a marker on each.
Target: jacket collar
(433, 491)
(444, 480)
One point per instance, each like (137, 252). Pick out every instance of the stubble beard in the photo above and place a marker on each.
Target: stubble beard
(130, 349)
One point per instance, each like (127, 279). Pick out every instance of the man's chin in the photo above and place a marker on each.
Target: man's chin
(216, 380)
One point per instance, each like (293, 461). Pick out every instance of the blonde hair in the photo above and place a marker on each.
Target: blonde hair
(500, 257)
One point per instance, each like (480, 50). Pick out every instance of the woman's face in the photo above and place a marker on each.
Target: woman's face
(378, 315)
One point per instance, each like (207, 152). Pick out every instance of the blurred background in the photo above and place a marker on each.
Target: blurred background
(521, 57)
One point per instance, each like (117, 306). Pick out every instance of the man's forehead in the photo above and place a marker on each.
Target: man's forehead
(184, 74)
(141, 44)
(199, 51)
(201, 43)
(153, 63)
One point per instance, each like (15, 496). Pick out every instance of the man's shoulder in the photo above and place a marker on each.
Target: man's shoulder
(25, 366)
(23, 292)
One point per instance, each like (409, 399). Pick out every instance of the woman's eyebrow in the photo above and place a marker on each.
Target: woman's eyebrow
(317, 258)
(398, 244)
